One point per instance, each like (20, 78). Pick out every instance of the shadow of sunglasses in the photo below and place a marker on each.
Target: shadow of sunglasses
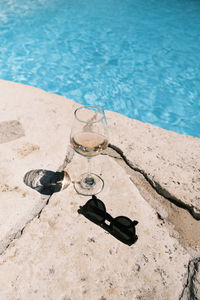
(120, 227)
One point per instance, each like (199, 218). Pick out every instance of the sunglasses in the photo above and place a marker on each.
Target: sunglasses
(120, 227)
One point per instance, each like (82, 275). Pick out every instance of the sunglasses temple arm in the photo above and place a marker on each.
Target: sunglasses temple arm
(80, 210)
(134, 223)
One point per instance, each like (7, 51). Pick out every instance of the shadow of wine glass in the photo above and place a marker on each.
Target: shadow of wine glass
(47, 182)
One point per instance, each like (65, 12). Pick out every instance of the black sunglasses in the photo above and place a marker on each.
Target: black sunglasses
(120, 227)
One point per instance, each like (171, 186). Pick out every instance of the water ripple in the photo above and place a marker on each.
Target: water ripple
(137, 58)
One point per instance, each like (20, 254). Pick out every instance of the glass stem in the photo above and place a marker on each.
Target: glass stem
(89, 167)
(89, 180)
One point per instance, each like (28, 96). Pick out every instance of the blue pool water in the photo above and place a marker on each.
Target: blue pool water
(137, 57)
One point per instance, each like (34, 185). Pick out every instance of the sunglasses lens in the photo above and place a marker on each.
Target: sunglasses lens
(123, 228)
(95, 210)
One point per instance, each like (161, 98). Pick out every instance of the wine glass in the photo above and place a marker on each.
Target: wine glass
(89, 137)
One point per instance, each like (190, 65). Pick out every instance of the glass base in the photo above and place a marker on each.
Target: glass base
(89, 185)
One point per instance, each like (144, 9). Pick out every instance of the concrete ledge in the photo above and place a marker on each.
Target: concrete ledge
(48, 249)
(170, 161)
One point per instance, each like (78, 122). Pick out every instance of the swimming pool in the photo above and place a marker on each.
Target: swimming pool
(140, 58)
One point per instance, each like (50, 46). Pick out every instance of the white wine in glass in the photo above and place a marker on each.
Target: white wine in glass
(89, 137)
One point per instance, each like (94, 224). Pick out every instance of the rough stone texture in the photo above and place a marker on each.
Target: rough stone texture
(35, 138)
(171, 161)
(192, 287)
(62, 255)
(10, 130)
(179, 221)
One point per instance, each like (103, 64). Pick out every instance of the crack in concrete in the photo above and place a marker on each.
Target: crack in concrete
(68, 159)
(190, 291)
(46, 199)
(156, 186)
(191, 288)
(19, 233)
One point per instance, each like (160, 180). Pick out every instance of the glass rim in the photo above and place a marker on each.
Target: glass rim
(99, 110)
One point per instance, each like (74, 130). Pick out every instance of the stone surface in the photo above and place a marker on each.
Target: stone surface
(192, 287)
(179, 221)
(62, 255)
(34, 134)
(10, 130)
(170, 160)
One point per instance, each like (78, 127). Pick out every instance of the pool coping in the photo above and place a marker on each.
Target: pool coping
(166, 161)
